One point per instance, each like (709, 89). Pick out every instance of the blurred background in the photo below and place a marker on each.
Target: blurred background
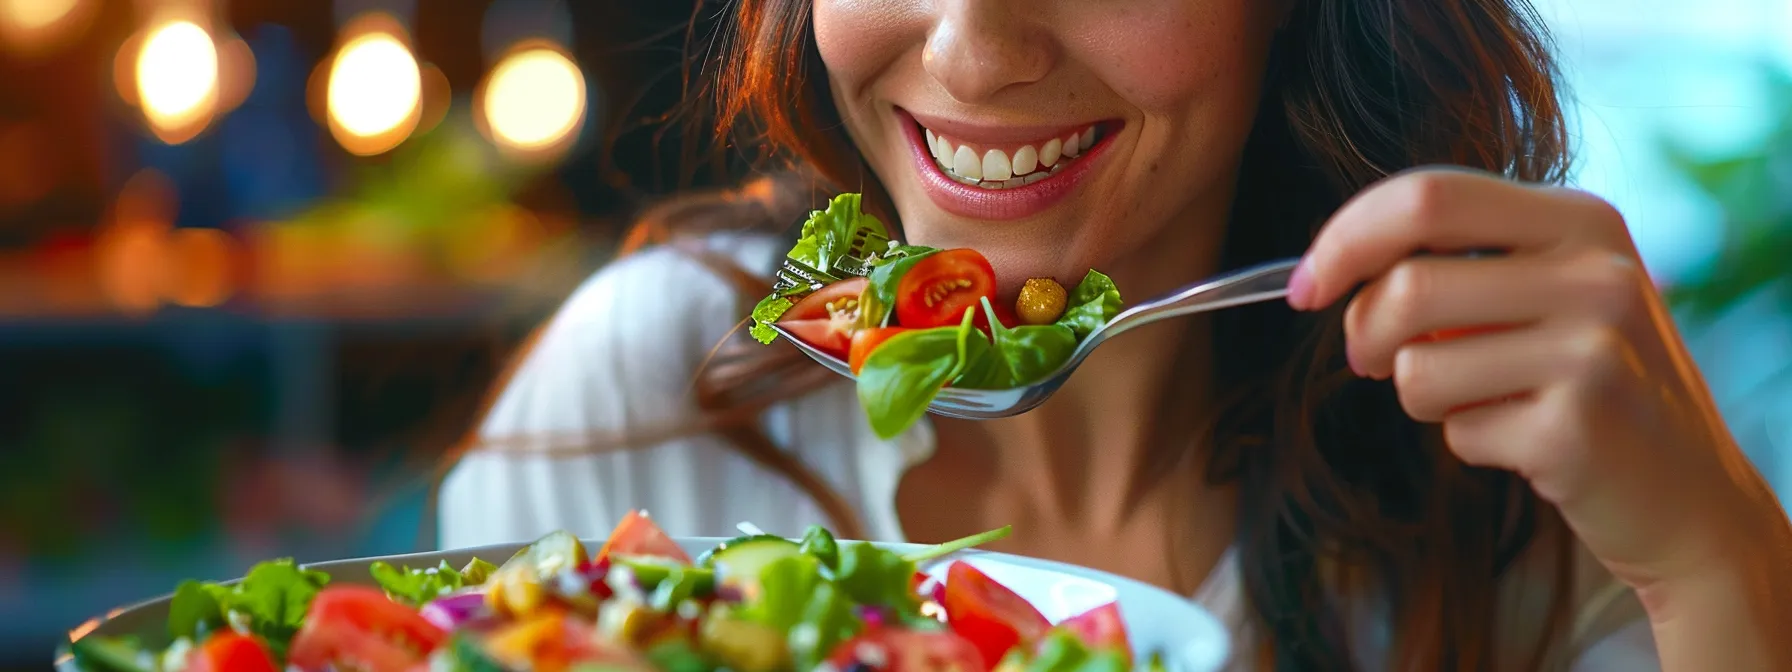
(260, 259)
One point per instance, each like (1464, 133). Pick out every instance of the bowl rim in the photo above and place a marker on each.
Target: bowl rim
(1213, 632)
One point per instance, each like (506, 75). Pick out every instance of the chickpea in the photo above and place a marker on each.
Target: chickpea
(1041, 301)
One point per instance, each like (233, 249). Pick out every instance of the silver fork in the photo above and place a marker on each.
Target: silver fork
(1264, 282)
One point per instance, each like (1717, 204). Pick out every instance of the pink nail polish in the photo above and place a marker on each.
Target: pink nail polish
(1300, 286)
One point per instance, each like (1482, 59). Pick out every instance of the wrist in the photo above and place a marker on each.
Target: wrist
(1727, 612)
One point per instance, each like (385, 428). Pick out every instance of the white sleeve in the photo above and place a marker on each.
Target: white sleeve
(1628, 649)
(619, 358)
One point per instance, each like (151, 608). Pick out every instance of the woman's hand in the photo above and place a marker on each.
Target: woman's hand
(1558, 361)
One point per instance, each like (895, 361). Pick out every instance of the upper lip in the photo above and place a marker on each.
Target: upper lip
(987, 134)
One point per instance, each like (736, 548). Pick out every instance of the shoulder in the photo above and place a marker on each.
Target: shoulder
(623, 348)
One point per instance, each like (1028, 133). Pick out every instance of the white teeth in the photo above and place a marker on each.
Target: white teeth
(996, 170)
(1048, 155)
(966, 164)
(1026, 160)
(996, 165)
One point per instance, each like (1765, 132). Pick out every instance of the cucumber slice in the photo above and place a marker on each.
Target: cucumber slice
(737, 563)
(650, 571)
(708, 558)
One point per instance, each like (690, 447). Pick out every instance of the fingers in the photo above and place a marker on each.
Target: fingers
(1442, 211)
(1426, 295)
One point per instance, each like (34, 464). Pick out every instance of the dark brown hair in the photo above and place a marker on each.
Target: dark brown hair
(1343, 495)
(1341, 489)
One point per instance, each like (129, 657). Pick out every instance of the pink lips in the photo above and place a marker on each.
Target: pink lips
(974, 202)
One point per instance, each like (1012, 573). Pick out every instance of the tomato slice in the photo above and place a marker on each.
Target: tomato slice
(899, 650)
(638, 535)
(1101, 628)
(830, 336)
(830, 300)
(988, 614)
(866, 340)
(230, 651)
(358, 626)
(937, 290)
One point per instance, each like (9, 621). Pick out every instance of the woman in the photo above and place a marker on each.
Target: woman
(1488, 463)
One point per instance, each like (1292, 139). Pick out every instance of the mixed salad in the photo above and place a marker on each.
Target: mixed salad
(757, 603)
(910, 320)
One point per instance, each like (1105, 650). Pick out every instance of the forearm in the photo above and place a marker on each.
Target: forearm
(1734, 616)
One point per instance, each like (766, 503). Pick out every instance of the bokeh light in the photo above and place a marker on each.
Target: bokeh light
(534, 100)
(374, 92)
(35, 27)
(177, 79)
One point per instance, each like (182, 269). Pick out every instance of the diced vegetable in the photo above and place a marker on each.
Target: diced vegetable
(745, 646)
(1101, 629)
(988, 614)
(453, 611)
(638, 535)
(359, 626)
(230, 651)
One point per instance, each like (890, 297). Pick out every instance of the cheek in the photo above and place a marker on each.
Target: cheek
(1168, 56)
(857, 39)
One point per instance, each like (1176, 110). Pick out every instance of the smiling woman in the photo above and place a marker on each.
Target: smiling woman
(1398, 518)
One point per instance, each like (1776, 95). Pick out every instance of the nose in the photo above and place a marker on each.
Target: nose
(979, 48)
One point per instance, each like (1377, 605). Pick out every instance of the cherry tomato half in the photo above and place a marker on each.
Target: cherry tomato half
(1101, 629)
(898, 650)
(638, 535)
(866, 340)
(827, 318)
(937, 290)
(830, 300)
(988, 614)
(358, 626)
(230, 651)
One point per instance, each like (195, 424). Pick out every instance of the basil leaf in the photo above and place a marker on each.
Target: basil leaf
(903, 374)
(1059, 652)
(828, 620)
(819, 542)
(888, 272)
(785, 585)
(1094, 301)
(1030, 352)
(981, 368)
(877, 577)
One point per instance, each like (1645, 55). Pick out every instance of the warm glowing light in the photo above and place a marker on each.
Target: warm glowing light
(201, 269)
(30, 15)
(177, 79)
(535, 99)
(374, 92)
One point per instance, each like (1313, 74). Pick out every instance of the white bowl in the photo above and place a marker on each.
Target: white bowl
(1189, 638)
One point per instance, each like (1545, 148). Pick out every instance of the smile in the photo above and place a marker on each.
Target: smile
(1001, 173)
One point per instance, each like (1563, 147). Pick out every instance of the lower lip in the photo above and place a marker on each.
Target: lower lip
(998, 204)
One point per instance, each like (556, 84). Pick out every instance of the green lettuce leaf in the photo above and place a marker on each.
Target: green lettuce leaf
(828, 234)
(271, 600)
(416, 587)
(1094, 301)
(768, 311)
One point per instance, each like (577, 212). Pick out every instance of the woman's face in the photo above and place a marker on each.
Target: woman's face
(1052, 135)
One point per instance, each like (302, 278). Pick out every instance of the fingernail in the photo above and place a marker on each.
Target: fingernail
(1300, 285)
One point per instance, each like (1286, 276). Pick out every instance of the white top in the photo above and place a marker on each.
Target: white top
(620, 356)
